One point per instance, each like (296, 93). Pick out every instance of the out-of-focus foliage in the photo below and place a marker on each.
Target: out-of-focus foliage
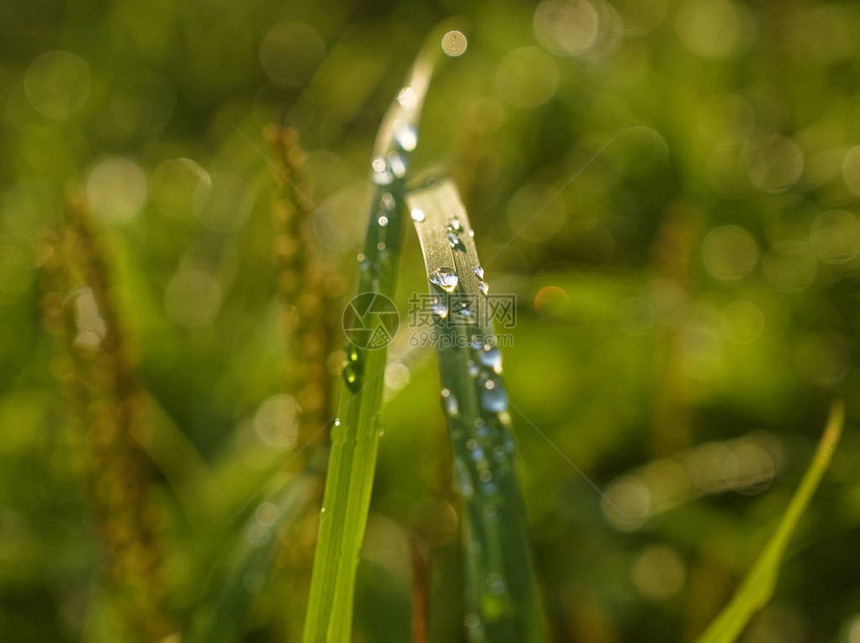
(687, 300)
(760, 582)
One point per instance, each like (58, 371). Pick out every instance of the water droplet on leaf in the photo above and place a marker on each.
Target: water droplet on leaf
(406, 138)
(494, 398)
(445, 278)
(381, 173)
(452, 407)
(397, 164)
(439, 308)
(351, 377)
(455, 242)
(491, 357)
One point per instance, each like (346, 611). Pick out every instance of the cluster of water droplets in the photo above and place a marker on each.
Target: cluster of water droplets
(488, 444)
(484, 445)
(448, 280)
(385, 169)
(453, 230)
(483, 286)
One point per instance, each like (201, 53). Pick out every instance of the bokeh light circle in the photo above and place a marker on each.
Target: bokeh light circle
(57, 84)
(454, 43)
(729, 252)
(116, 189)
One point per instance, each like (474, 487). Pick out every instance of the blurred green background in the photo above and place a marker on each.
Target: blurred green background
(687, 305)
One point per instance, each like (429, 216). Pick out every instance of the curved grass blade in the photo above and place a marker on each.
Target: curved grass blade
(757, 588)
(355, 435)
(502, 597)
(250, 561)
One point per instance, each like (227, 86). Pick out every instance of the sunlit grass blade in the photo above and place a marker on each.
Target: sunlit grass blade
(501, 592)
(355, 435)
(251, 558)
(757, 588)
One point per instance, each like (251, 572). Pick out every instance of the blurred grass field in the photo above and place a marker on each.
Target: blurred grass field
(687, 305)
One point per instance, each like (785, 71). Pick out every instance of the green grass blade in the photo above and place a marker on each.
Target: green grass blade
(249, 563)
(757, 588)
(355, 435)
(501, 594)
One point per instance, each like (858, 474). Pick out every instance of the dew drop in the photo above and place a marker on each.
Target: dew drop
(494, 398)
(486, 475)
(484, 288)
(406, 138)
(417, 214)
(380, 245)
(449, 402)
(381, 173)
(491, 357)
(397, 164)
(407, 98)
(445, 278)
(322, 510)
(473, 368)
(471, 444)
(351, 377)
(439, 308)
(454, 225)
(382, 221)
(464, 481)
(471, 233)
(455, 242)
(479, 272)
(387, 201)
(337, 422)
